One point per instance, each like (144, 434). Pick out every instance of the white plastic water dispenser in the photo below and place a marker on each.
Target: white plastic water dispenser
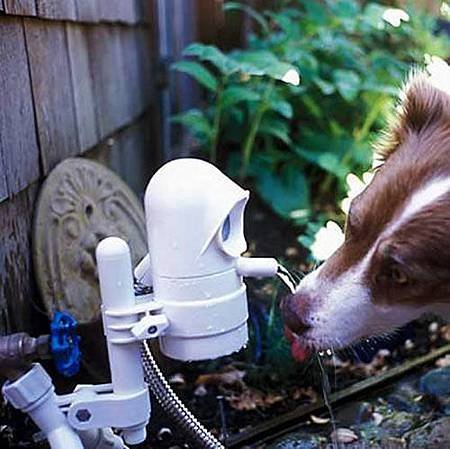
(195, 226)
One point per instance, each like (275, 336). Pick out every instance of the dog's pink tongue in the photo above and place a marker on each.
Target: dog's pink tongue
(299, 352)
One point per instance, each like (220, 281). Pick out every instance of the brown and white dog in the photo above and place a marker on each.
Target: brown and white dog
(395, 262)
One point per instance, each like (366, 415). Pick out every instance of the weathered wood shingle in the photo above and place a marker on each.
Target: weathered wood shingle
(20, 7)
(16, 282)
(52, 91)
(87, 10)
(110, 88)
(83, 92)
(56, 9)
(118, 11)
(18, 144)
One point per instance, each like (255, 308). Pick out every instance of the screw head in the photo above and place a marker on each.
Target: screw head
(152, 329)
(83, 415)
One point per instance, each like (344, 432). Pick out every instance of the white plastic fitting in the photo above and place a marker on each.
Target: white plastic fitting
(34, 393)
(195, 226)
(116, 288)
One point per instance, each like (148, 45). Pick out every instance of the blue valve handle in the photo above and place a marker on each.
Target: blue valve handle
(64, 344)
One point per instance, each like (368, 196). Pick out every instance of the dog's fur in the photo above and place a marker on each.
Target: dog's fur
(395, 262)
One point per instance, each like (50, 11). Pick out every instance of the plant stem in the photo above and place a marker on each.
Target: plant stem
(216, 122)
(249, 141)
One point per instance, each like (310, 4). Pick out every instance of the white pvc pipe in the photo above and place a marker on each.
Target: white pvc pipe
(34, 394)
(116, 288)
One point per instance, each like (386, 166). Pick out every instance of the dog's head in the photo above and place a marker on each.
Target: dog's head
(395, 261)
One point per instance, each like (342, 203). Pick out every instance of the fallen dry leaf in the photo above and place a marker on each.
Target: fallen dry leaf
(201, 391)
(251, 399)
(307, 394)
(231, 377)
(247, 400)
(445, 332)
(177, 379)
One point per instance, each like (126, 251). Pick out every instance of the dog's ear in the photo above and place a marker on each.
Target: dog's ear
(423, 102)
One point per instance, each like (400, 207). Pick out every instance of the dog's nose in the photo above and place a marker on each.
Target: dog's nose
(294, 309)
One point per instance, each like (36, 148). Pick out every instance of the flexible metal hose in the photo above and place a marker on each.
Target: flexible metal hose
(172, 404)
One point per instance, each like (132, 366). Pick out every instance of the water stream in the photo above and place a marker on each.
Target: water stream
(291, 283)
(287, 278)
(326, 391)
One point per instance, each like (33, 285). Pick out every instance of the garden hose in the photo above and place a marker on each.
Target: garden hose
(172, 404)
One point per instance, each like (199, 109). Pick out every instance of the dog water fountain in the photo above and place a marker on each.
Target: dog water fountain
(188, 292)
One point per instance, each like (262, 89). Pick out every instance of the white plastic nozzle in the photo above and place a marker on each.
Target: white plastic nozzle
(257, 267)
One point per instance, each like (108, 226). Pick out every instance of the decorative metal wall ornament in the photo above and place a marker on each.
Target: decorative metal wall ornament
(80, 203)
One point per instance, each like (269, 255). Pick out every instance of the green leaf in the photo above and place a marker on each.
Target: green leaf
(198, 72)
(315, 12)
(236, 6)
(283, 108)
(328, 161)
(348, 83)
(284, 192)
(236, 94)
(262, 63)
(344, 8)
(373, 15)
(289, 25)
(275, 128)
(213, 55)
(326, 87)
(196, 122)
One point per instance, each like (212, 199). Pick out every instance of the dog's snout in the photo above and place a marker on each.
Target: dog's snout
(295, 310)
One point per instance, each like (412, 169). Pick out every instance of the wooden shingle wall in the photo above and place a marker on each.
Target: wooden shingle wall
(75, 79)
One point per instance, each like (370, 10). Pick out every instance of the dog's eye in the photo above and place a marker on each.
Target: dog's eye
(398, 275)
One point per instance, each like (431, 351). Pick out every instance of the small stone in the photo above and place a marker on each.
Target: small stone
(436, 382)
(354, 413)
(409, 344)
(344, 435)
(394, 443)
(377, 418)
(403, 404)
(435, 435)
(399, 423)
(318, 420)
(296, 440)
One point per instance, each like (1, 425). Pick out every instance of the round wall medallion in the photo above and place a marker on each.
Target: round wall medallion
(80, 203)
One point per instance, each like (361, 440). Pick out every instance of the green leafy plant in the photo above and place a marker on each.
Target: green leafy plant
(289, 138)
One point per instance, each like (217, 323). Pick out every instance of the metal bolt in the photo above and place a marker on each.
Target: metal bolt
(152, 329)
(83, 415)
